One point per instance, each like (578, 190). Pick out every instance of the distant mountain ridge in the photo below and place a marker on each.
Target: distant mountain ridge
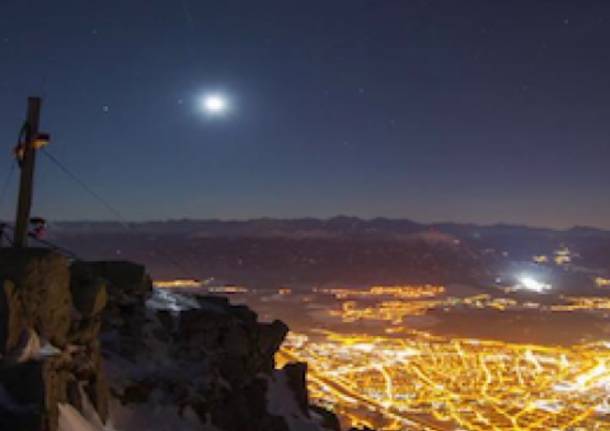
(346, 248)
(339, 225)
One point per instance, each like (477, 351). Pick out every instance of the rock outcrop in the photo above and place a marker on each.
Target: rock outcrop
(204, 358)
(296, 378)
(48, 340)
(92, 341)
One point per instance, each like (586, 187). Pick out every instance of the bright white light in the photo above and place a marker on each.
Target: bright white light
(529, 283)
(214, 104)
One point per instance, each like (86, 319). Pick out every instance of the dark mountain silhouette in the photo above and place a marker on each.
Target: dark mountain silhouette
(342, 248)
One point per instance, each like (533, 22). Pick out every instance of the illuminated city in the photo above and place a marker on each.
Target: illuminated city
(403, 378)
(428, 382)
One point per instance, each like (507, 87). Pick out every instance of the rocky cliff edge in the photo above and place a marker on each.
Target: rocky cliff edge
(89, 346)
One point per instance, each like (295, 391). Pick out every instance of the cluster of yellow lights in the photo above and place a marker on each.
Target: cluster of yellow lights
(561, 256)
(168, 284)
(227, 289)
(393, 311)
(583, 303)
(414, 380)
(403, 292)
(540, 259)
(401, 301)
(424, 382)
(602, 282)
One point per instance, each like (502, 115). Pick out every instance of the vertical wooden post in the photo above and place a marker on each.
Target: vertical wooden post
(26, 183)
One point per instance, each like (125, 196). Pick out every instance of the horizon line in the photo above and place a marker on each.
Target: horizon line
(339, 216)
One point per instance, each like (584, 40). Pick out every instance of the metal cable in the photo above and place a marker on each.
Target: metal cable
(85, 187)
(113, 210)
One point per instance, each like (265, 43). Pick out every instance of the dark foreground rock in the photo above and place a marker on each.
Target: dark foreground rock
(48, 341)
(214, 361)
(92, 341)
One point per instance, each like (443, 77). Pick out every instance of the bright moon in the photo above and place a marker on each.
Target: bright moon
(214, 104)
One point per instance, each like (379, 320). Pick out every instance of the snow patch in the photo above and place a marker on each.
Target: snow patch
(32, 348)
(70, 419)
(164, 299)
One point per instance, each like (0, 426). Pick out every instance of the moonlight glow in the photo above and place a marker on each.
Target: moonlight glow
(214, 104)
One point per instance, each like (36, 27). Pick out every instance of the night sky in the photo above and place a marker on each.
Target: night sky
(479, 111)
